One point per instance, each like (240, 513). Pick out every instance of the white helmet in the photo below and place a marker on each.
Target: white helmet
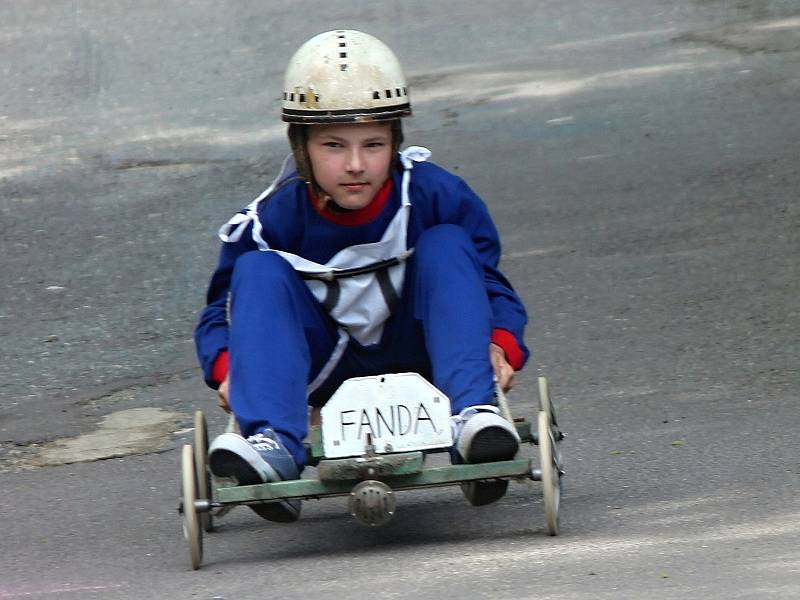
(344, 76)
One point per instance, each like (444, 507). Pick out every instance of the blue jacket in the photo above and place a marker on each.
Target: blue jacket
(291, 223)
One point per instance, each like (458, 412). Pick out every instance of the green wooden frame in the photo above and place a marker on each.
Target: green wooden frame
(399, 471)
(518, 468)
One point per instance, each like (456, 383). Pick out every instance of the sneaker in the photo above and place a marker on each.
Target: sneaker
(481, 435)
(261, 458)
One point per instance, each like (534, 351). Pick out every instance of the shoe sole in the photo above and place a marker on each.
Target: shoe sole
(224, 463)
(481, 493)
(489, 444)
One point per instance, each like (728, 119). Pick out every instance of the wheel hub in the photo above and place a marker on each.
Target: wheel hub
(372, 503)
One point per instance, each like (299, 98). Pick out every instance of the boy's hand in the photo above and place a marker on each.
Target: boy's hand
(222, 394)
(503, 371)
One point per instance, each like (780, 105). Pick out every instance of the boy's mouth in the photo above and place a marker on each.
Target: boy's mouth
(355, 186)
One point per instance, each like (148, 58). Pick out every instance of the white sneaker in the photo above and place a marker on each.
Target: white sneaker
(481, 435)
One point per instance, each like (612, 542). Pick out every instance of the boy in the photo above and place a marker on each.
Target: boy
(358, 260)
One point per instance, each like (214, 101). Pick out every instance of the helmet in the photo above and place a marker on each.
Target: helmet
(344, 76)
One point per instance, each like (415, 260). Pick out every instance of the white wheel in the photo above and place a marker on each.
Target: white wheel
(201, 466)
(191, 524)
(544, 399)
(551, 478)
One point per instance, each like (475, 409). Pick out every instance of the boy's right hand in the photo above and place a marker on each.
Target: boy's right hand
(503, 371)
(222, 394)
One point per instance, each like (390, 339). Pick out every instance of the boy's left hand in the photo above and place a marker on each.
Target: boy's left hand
(503, 371)
(222, 394)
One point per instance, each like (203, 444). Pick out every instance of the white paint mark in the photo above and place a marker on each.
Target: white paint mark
(669, 544)
(595, 156)
(59, 589)
(14, 171)
(561, 121)
(538, 88)
(610, 39)
(536, 252)
(781, 24)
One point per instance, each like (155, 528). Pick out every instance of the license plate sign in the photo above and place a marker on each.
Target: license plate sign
(402, 412)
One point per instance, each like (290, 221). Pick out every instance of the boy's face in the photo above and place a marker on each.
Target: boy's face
(350, 160)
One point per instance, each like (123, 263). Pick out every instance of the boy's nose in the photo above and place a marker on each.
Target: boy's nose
(355, 162)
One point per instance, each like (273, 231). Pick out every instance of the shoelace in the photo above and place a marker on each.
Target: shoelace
(457, 421)
(262, 442)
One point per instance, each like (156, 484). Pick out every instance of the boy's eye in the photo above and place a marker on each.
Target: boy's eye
(332, 144)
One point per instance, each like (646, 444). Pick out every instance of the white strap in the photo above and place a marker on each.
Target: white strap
(408, 157)
(414, 154)
(331, 364)
(233, 230)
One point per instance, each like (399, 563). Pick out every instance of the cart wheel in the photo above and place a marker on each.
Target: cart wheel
(551, 477)
(191, 524)
(201, 466)
(545, 404)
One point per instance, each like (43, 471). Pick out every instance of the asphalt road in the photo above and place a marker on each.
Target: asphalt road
(641, 162)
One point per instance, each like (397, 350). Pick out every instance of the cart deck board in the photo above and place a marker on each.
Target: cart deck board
(430, 477)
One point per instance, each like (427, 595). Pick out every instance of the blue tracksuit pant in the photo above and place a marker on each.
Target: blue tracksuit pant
(281, 337)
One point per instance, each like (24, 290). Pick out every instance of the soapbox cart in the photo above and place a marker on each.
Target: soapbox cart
(374, 437)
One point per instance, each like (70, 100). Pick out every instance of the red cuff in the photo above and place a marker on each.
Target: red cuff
(506, 340)
(221, 366)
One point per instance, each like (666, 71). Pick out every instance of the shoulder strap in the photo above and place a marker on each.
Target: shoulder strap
(233, 230)
(408, 157)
